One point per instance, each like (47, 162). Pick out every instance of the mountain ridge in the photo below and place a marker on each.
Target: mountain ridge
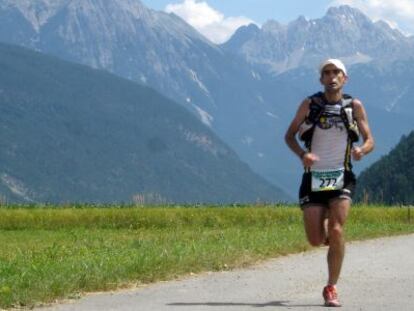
(246, 99)
(74, 134)
(343, 31)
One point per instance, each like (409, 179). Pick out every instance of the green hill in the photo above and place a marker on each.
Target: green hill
(390, 180)
(69, 133)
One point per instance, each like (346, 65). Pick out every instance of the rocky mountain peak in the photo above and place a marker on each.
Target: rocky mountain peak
(125, 10)
(346, 19)
(244, 33)
(300, 21)
(344, 32)
(37, 12)
(345, 10)
(251, 28)
(392, 33)
(273, 26)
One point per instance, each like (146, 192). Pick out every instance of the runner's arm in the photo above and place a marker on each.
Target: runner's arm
(293, 129)
(362, 121)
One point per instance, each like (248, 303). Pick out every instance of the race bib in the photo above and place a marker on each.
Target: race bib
(327, 180)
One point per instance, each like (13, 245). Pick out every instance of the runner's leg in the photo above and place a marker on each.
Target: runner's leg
(313, 218)
(338, 213)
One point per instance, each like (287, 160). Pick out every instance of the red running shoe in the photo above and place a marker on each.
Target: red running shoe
(331, 296)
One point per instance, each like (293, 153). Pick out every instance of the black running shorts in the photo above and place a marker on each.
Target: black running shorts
(307, 197)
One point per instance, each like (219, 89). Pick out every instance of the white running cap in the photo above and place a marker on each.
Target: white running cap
(333, 61)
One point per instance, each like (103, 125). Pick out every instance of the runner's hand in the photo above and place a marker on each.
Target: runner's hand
(357, 153)
(308, 159)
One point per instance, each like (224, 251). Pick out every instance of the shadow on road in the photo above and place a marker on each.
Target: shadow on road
(257, 305)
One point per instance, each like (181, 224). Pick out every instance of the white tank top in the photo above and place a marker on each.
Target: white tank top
(330, 139)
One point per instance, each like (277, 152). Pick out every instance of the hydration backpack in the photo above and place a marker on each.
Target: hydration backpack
(316, 109)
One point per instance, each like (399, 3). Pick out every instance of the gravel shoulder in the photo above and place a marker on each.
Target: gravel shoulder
(377, 275)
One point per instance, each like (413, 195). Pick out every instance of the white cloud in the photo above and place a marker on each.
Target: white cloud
(398, 13)
(208, 21)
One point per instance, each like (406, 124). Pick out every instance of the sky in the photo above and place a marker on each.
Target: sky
(218, 19)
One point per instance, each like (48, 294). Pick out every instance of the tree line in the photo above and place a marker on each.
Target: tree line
(390, 180)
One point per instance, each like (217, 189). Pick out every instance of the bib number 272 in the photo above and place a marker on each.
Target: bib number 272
(327, 180)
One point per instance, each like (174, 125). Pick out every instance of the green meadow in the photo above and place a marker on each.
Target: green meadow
(50, 253)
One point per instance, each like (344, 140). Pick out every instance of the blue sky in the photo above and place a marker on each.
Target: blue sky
(218, 19)
(259, 10)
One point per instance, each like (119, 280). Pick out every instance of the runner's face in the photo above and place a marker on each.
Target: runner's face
(332, 78)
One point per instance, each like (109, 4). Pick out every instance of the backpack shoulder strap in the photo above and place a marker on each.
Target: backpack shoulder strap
(315, 107)
(317, 98)
(347, 101)
(347, 114)
(315, 110)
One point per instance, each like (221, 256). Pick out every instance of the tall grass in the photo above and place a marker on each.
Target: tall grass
(49, 253)
(117, 218)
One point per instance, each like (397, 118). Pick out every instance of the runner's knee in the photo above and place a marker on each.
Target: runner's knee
(335, 231)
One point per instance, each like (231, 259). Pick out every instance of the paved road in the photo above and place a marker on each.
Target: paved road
(377, 275)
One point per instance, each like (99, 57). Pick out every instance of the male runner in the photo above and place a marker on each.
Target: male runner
(329, 122)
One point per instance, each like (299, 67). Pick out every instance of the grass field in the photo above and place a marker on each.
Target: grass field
(50, 253)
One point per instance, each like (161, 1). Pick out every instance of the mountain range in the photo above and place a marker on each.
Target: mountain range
(247, 89)
(344, 32)
(159, 50)
(73, 134)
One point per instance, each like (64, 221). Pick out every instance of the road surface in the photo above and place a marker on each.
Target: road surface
(377, 275)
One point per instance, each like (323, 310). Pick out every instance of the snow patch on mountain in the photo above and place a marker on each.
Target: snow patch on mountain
(200, 84)
(16, 186)
(143, 79)
(357, 58)
(272, 115)
(202, 141)
(256, 76)
(205, 117)
(391, 106)
(247, 140)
